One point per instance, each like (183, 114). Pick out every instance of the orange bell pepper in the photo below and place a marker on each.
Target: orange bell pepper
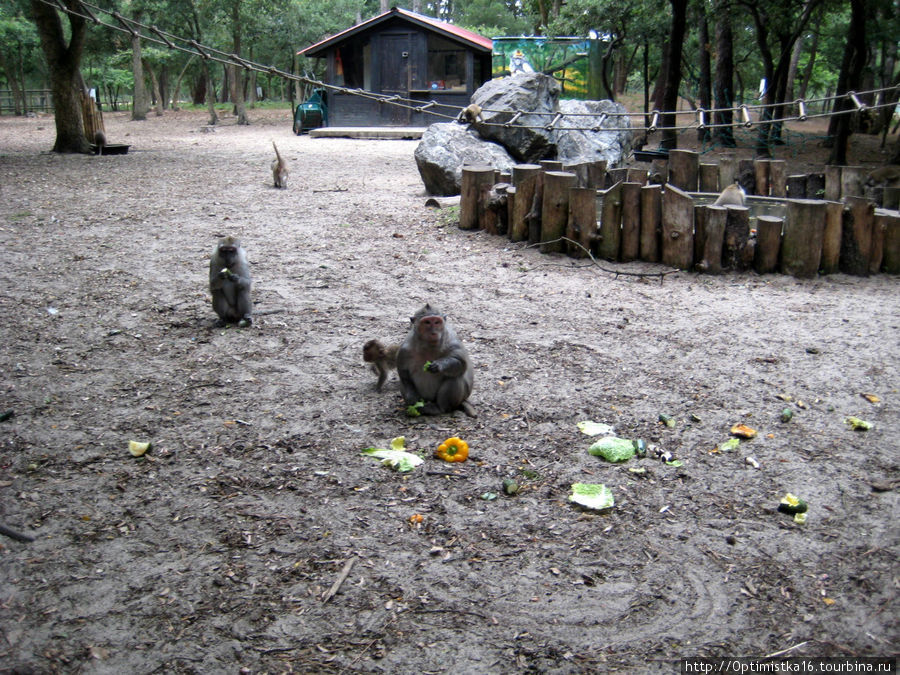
(453, 450)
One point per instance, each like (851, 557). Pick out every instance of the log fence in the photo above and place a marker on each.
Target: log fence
(625, 214)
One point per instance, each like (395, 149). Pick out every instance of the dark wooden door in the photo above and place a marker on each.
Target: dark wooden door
(395, 55)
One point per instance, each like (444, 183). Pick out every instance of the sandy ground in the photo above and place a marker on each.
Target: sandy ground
(216, 552)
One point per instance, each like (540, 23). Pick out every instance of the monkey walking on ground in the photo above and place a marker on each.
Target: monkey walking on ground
(733, 195)
(279, 169)
(229, 283)
(470, 114)
(433, 365)
(100, 141)
(383, 359)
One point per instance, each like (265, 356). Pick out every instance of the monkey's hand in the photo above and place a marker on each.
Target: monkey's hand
(448, 366)
(224, 272)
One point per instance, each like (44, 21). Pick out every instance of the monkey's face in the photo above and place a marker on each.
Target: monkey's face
(431, 329)
(228, 254)
(373, 351)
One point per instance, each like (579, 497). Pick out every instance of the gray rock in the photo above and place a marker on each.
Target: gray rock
(529, 93)
(602, 141)
(444, 149)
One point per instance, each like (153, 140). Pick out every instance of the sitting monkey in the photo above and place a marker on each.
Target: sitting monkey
(433, 365)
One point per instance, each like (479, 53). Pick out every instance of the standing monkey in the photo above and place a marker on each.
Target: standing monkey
(229, 283)
(383, 359)
(733, 194)
(470, 114)
(279, 169)
(100, 141)
(433, 365)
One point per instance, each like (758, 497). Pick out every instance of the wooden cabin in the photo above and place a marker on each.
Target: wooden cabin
(401, 53)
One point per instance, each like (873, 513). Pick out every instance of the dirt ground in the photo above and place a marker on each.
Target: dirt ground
(218, 550)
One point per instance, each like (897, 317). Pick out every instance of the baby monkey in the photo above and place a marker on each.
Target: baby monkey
(279, 169)
(733, 195)
(470, 114)
(383, 359)
(100, 141)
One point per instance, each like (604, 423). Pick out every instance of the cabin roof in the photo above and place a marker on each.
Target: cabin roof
(473, 40)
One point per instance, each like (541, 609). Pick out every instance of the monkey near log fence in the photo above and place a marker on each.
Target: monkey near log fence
(100, 141)
(733, 195)
(433, 365)
(383, 359)
(885, 176)
(229, 282)
(279, 169)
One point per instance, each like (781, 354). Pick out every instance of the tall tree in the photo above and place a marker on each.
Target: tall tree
(64, 61)
(669, 138)
(724, 84)
(854, 62)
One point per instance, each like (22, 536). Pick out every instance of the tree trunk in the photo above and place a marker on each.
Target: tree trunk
(724, 85)
(177, 89)
(705, 83)
(157, 92)
(850, 76)
(673, 72)
(237, 80)
(140, 104)
(63, 61)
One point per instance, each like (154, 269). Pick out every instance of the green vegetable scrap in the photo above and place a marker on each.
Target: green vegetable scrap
(857, 424)
(413, 410)
(590, 428)
(425, 367)
(592, 495)
(792, 504)
(396, 457)
(613, 449)
(668, 420)
(729, 445)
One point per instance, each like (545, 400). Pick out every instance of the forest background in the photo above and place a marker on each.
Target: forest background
(669, 54)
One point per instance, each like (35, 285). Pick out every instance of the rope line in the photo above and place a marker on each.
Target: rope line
(744, 112)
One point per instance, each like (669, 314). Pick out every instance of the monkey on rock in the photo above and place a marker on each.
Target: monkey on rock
(433, 366)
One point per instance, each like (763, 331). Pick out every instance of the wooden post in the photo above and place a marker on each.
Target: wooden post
(796, 186)
(815, 186)
(709, 178)
(636, 175)
(768, 243)
(651, 223)
(493, 219)
(474, 181)
(832, 183)
(684, 168)
(761, 177)
(580, 170)
(890, 259)
(737, 232)
(746, 176)
(831, 238)
(555, 209)
(878, 230)
(891, 198)
(677, 228)
(711, 235)
(727, 170)
(778, 178)
(856, 236)
(550, 165)
(524, 178)
(618, 175)
(852, 178)
(659, 171)
(597, 174)
(582, 223)
(609, 236)
(510, 208)
(631, 221)
(801, 244)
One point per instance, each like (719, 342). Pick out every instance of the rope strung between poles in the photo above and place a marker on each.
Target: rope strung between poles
(744, 112)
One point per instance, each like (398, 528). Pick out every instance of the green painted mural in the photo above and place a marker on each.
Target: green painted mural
(574, 62)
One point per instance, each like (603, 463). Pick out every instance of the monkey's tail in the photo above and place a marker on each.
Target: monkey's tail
(277, 154)
(12, 534)
(468, 409)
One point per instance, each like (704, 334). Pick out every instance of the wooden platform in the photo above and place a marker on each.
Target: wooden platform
(372, 133)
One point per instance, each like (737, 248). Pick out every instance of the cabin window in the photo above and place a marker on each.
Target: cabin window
(350, 65)
(446, 65)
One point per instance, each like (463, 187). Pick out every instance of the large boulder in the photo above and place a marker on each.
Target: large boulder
(527, 140)
(582, 134)
(443, 150)
(607, 138)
